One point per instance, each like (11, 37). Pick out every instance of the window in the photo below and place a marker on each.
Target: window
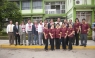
(37, 4)
(25, 19)
(25, 5)
(85, 14)
(57, 6)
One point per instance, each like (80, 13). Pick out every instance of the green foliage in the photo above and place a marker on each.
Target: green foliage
(90, 32)
(9, 10)
(3, 34)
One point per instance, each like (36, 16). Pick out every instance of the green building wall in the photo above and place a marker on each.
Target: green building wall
(71, 6)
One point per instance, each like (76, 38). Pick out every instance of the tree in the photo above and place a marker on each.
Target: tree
(9, 10)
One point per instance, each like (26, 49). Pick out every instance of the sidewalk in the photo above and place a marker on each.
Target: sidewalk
(5, 44)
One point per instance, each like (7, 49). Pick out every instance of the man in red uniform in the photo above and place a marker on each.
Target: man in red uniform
(84, 30)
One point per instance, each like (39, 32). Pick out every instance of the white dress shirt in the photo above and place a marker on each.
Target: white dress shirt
(44, 24)
(29, 27)
(10, 28)
(23, 28)
(59, 23)
(40, 28)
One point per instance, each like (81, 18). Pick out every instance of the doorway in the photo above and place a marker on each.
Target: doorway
(84, 15)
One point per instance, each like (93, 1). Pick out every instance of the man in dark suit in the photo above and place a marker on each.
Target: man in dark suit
(16, 33)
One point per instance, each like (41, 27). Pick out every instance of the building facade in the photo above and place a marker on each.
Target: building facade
(64, 9)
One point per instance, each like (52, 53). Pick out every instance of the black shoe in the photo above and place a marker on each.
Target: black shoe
(29, 44)
(81, 45)
(32, 44)
(25, 44)
(76, 45)
(64, 49)
(52, 49)
(84, 45)
(46, 49)
(21, 44)
(70, 49)
(15, 44)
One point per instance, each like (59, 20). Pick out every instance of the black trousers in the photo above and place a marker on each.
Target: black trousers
(46, 44)
(73, 40)
(57, 43)
(43, 39)
(17, 39)
(67, 39)
(63, 43)
(70, 43)
(52, 44)
(77, 38)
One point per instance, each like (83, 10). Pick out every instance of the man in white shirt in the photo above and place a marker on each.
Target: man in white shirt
(29, 32)
(59, 21)
(40, 32)
(10, 33)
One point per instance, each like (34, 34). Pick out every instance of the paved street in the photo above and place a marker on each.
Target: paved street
(30, 53)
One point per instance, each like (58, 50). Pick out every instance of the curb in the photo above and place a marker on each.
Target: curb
(42, 47)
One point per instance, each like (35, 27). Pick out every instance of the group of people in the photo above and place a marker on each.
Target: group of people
(54, 33)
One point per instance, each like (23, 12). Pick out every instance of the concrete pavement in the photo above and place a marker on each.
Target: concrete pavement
(38, 53)
(5, 44)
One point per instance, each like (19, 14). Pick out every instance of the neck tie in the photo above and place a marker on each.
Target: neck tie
(17, 27)
(10, 28)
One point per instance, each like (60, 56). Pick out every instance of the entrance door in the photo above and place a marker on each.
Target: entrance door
(84, 15)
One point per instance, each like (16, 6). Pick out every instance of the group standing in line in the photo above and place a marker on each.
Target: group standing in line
(53, 33)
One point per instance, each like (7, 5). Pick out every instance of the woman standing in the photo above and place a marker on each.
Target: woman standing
(77, 29)
(46, 35)
(64, 35)
(52, 36)
(40, 32)
(70, 35)
(22, 33)
(50, 24)
(57, 36)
